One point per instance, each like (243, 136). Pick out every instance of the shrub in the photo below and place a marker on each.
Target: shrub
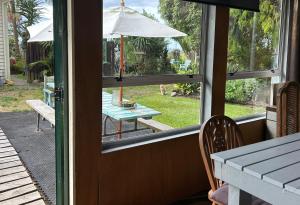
(39, 68)
(187, 88)
(18, 68)
(240, 91)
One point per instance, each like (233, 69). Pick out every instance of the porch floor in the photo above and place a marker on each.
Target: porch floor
(16, 186)
(37, 150)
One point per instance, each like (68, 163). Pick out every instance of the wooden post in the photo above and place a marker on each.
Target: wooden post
(86, 92)
(214, 50)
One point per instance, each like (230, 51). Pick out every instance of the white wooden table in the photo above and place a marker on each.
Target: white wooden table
(269, 170)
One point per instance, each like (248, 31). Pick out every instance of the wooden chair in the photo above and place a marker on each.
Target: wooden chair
(288, 109)
(220, 133)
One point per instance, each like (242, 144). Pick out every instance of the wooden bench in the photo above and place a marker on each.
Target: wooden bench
(154, 125)
(43, 110)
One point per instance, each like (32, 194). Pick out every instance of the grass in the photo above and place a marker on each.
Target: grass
(178, 112)
(13, 98)
(21, 77)
(236, 110)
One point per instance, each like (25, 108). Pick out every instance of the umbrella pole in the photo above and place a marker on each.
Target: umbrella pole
(121, 70)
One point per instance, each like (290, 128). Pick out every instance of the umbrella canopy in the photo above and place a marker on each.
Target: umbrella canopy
(116, 22)
(128, 22)
(42, 31)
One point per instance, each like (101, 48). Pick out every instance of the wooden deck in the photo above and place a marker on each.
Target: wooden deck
(16, 186)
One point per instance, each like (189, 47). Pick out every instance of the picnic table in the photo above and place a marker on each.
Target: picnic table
(269, 170)
(119, 114)
(49, 94)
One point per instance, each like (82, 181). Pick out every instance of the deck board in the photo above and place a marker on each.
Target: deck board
(23, 199)
(16, 186)
(17, 192)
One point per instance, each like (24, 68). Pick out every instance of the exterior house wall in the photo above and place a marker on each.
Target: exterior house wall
(4, 50)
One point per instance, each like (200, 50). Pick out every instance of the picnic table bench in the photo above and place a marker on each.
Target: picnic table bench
(140, 114)
(154, 125)
(43, 110)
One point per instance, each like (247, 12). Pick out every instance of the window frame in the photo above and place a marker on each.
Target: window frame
(151, 80)
(278, 74)
(157, 79)
(282, 45)
(110, 81)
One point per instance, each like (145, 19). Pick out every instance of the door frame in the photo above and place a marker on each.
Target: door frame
(61, 101)
(84, 70)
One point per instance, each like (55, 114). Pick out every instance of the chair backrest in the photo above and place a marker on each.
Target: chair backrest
(288, 109)
(218, 134)
(273, 94)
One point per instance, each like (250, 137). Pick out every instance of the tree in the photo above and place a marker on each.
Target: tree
(30, 12)
(148, 54)
(254, 37)
(186, 17)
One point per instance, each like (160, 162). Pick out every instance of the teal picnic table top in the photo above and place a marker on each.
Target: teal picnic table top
(50, 85)
(120, 113)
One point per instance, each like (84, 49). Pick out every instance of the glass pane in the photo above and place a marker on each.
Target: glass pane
(254, 38)
(152, 53)
(247, 97)
(156, 108)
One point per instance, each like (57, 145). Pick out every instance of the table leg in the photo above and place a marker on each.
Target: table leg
(135, 124)
(38, 123)
(119, 130)
(238, 197)
(104, 124)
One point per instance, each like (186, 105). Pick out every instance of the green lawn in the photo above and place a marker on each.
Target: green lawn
(178, 112)
(13, 98)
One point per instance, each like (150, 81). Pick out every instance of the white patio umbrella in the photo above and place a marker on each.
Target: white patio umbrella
(40, 32)
(128, 22)
(123, 21)
(117, 23)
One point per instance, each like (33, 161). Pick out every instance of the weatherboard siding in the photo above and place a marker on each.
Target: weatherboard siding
(2, 58)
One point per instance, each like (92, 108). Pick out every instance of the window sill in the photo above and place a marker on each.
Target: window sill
(164, 136)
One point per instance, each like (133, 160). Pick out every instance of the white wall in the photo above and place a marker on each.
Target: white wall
(4, 50)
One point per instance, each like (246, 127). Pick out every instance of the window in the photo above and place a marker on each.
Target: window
(164, 77)
(159, 87)
(254, 55)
